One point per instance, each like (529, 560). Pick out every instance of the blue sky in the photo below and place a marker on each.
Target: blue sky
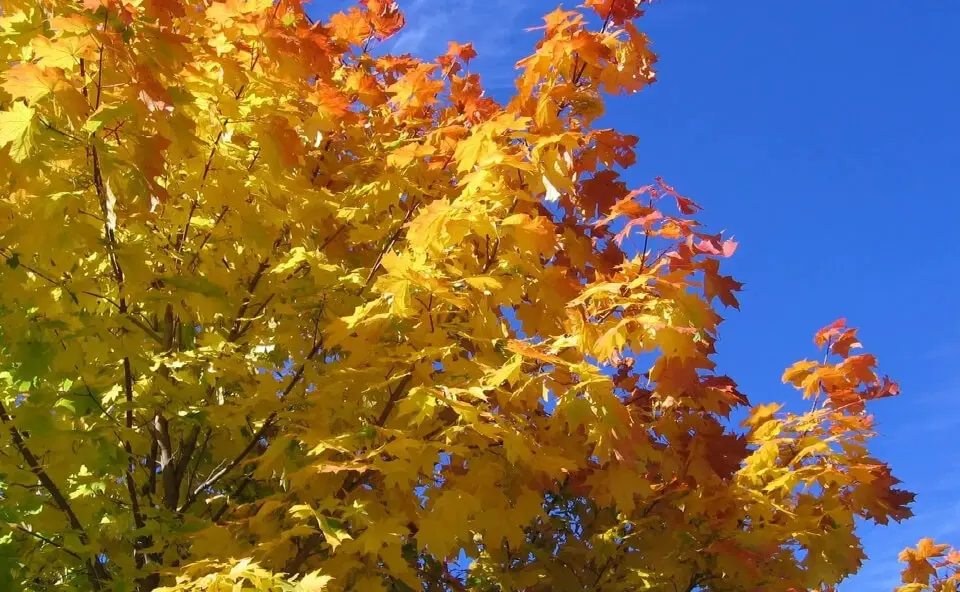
(825, 136)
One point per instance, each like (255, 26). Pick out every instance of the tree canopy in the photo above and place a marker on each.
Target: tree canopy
(280, 312)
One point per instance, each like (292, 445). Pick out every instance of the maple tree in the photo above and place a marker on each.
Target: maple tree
(279, 313)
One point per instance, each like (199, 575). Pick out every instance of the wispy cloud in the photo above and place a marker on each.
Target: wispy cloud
(489, 24)
(678, 11)
(495, 27)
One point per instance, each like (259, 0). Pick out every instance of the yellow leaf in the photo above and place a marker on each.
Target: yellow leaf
(16, 129)
(477, 150)
(420, 402)
(294, 258)
(27, 81)
(408, 153)
(485, 284)
(509, 373)
(761, 414)
(64, 52)
(313, 582)
(797, 373)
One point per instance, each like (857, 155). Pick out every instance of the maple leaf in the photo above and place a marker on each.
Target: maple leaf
(456, 51)
(602, 190)
(919, 569)
(844, 342)
(416, 88)
(685, 205)
(720, 286)
(385, 17)
(798, 373)
(17, 129)
(612, 147)
(28, 81)
(616, 11)
(829, 332)
(762, 414)
(462, 51)
(351, 26)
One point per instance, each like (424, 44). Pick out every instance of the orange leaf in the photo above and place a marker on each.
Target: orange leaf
(829, 332)
(385, 17)
(616, 11)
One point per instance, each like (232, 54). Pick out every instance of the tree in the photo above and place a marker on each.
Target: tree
(283, 313)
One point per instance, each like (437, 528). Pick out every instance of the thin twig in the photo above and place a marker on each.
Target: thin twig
(49, 542)
(603, 29)
(392, 400)
(97, 402)
(44, 276)
(271, 419)
(196, 256)
(237, 327)
(256, 315)
(106, 17)
(329, 239)
(388, 245)
(50, 127)
(226, 503)
(196, 466)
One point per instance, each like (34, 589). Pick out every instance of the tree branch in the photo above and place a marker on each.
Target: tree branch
(153, 464)
(330, 238)
(271, 419)
(395, 396)
(186, 454)
(226, 503)
(49, 542)
(182, 236)
(142, 542)
(388, 245)
(109, 231)
(168, 472)
(196, 256)
(256, 314)
(237, 328)
(95, 570)
(196, 466)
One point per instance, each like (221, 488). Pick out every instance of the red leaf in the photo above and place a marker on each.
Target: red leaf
(616, 11)
(829, 332)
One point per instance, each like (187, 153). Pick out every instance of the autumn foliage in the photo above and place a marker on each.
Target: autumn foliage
(281, 312)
